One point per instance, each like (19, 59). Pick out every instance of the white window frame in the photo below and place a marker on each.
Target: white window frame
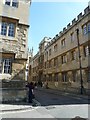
(86, 50)
(3, 27)
(10, 31)
(13, 3)
(6, 66)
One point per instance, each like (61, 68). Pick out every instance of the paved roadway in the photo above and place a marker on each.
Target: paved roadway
(45, 98)
(53, 106)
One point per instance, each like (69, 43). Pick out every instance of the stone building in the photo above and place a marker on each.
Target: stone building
(64, 63)
(14, 27)
(37, 62)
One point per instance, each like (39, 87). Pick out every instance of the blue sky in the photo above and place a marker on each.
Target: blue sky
(49, 18)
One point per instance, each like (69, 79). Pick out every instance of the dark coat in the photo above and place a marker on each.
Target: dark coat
(30, 93)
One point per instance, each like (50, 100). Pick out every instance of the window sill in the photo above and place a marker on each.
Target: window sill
(10, 6)
(8, 38)
(5, 76)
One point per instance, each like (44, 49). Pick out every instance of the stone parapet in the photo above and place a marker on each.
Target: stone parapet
(13, 94)
(13, 91)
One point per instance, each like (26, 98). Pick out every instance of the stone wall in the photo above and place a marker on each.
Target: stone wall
(21, 35)
(18, 69)
(17, 44)
(14, 95)
(13, 91)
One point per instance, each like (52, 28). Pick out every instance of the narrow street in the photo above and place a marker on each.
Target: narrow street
(51, 106)
(46, 98)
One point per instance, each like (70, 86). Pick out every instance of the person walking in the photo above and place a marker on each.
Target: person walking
(30, 91)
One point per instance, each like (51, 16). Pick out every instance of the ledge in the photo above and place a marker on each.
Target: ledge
(8, 38)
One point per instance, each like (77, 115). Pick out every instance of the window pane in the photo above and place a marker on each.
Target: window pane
(73, 55)
(4, 28)
(74, 75)
(50, 77)
(49, 52)
(87, 50)
(15, 3)
(72, 37)
(85, 29)
(11, 30)
(64, 77)
(7, 66)
(63, 43)
(64, 59)
(7, 2)
(89, 28)
(1, 65)
(55, 48)
(56, 77)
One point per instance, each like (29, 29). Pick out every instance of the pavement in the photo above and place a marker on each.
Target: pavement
(18, 106)
(9, 107)
(25, 106)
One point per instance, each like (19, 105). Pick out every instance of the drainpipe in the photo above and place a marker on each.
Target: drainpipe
(80, 67)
